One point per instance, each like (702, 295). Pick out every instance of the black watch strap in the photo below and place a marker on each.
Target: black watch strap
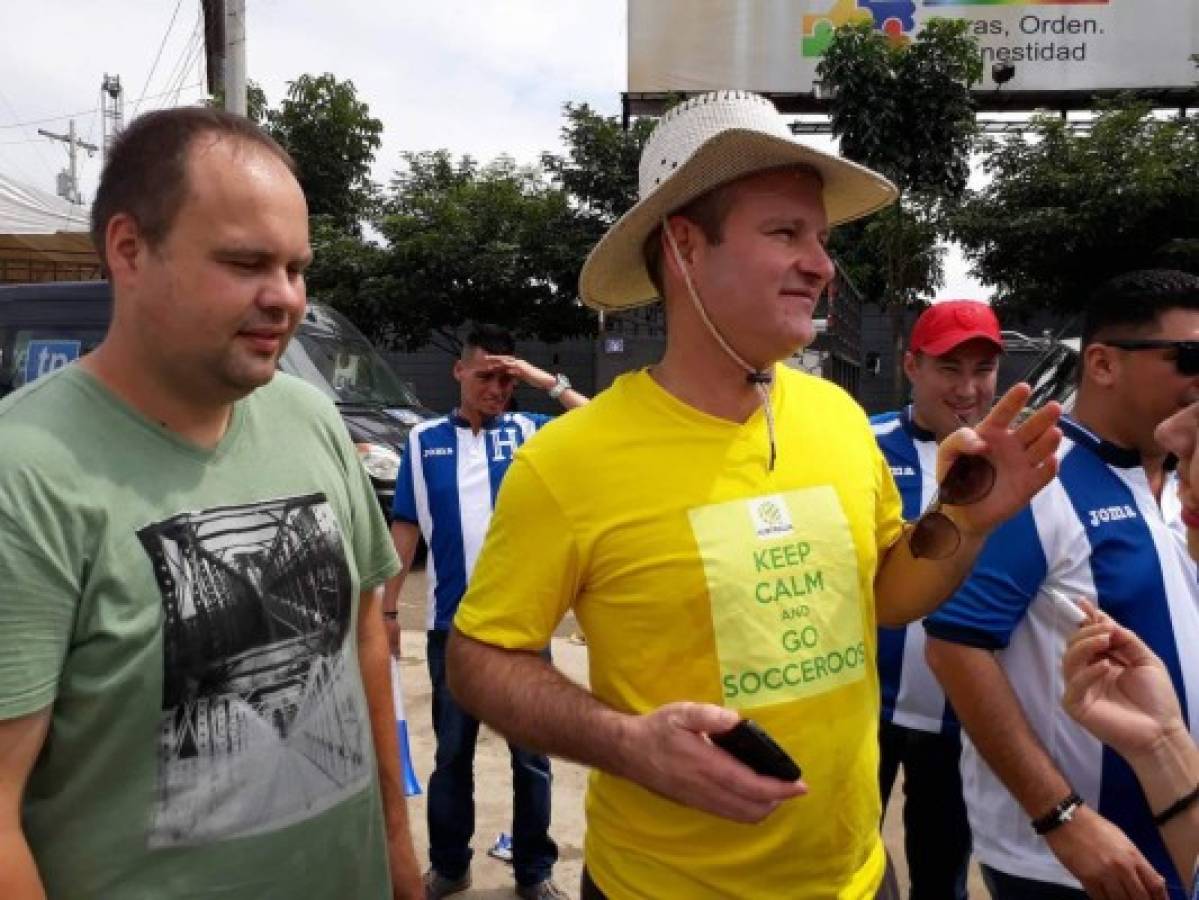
(1059, 815)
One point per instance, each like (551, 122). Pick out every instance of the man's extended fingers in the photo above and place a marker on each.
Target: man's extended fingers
(1004, 412)
(1038, 423)
(1044, 446)
(1045, 473)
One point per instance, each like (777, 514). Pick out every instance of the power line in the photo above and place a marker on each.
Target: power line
(91, 112)
(193, 49)
(158, 55)
(178, 71)
(71, 115)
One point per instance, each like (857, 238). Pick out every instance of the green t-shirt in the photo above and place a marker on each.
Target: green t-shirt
(191, 616)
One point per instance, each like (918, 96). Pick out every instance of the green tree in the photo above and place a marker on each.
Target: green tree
(598, 171)
(904, 109)
(1065, 210)
(599, 168)
(465, 242)
(333, 138)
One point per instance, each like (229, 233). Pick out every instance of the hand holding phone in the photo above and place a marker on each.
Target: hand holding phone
(748, 742)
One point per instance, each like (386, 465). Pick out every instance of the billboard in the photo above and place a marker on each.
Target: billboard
(1056, 49)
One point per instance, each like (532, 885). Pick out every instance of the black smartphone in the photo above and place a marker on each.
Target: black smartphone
(749, 743)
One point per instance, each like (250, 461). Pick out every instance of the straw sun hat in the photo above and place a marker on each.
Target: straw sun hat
(697, 146)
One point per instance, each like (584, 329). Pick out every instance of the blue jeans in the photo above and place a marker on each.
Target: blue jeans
(936, 831)
(1010, 887)
(451, 793)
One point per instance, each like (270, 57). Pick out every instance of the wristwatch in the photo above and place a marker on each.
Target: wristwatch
(561, 386)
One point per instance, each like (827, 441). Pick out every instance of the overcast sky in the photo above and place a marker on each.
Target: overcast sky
(474, 76)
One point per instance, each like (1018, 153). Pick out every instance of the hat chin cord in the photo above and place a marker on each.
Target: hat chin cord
(761, 379)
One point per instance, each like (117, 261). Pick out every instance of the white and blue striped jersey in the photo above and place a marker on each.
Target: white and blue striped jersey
(911, 696)
(448, 480)
(1096, 531)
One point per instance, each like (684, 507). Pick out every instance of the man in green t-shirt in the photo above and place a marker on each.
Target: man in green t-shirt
(194, 688)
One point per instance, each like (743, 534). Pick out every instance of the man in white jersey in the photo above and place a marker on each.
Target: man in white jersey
(450, 474)
(1053, 813)
(952, 362)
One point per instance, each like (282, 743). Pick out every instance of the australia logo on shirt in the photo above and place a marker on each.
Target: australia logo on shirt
(1110, 514)
(770, 516)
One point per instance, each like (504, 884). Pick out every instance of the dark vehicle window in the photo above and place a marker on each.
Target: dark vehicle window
(330, 352)
(1053, 377)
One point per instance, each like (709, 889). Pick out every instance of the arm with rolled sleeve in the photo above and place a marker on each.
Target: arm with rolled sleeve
(963, 636)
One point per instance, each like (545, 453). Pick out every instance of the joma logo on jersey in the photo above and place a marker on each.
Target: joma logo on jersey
(437, 451)
(903, 472)
(1111, 514)
(770, 516)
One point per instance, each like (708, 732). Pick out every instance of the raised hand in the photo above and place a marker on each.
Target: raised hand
(1023, 457)
(520, 369)
(1117, 688)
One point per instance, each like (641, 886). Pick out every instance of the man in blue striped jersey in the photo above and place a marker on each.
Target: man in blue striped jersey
(1054, 813)
(446, 489)
(952, 362)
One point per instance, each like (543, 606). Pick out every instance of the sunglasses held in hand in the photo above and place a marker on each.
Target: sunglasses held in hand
(935, 536)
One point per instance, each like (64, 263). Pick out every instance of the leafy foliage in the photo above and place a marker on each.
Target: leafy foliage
(1064, 211)
(906, 110)
(903, 109)
(451, 240)
(333, 138)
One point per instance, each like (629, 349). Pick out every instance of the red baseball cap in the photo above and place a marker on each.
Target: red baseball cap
(944, 325)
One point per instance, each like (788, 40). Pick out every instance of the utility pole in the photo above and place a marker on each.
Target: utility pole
(235, 56)
(68, 181)
(112, 116)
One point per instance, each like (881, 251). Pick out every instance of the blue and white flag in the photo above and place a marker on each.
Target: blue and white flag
(411, 782)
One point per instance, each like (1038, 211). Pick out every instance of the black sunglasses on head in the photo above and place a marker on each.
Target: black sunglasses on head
(1186, 362)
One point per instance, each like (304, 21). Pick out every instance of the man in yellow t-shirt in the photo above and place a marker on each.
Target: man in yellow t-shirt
(728, 535)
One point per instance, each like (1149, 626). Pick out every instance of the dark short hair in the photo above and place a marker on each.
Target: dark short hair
(145, 173)
(1134, 301)
(489, 339)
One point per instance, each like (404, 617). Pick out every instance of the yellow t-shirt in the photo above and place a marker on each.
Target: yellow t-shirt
(696, 574)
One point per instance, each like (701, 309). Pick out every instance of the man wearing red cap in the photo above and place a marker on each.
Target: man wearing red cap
(951, 361)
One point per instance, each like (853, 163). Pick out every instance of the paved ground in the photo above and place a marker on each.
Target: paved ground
(492, 878)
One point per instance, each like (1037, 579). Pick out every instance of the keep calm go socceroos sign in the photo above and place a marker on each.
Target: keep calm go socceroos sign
(773, 46)
(785, 588)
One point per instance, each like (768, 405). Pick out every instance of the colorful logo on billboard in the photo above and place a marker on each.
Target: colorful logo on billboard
(1016, 2)
(894, 18)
